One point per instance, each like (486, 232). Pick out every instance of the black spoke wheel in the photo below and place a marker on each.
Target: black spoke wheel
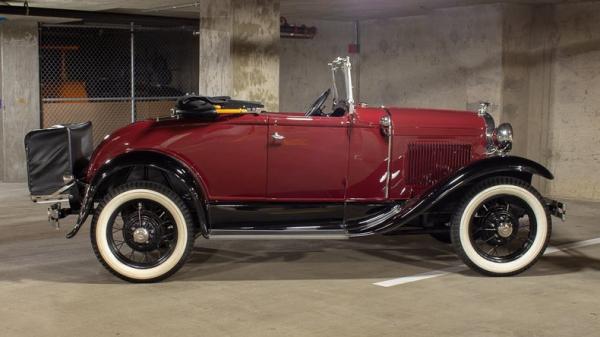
(501, 227)
(142, 232)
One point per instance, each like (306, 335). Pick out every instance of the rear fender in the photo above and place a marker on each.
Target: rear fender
(120, 167)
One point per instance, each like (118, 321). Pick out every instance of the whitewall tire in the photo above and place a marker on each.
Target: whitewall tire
(501, 227)
(142, 232)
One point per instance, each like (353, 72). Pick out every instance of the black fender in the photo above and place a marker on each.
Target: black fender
(155, 160)
(401, 214)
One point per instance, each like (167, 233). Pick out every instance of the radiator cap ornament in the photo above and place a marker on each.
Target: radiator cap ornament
(483, 108)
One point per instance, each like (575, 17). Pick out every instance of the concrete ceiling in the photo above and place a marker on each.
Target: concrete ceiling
(319, 9)
(372, 9)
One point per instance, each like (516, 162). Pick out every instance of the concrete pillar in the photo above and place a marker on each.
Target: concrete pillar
(20, 110)
(515, 72)
(239, 50)
(539, 118)
(216, 29)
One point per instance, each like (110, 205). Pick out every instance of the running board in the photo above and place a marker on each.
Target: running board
(236, 234)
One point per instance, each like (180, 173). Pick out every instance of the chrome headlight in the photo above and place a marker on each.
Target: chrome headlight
(503, 137)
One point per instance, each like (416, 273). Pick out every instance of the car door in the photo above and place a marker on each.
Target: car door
(307, 158)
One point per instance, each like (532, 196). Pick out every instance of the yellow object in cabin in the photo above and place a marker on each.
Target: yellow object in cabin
(220, 110)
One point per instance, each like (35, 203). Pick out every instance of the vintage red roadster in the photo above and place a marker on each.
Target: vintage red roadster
(222, 168)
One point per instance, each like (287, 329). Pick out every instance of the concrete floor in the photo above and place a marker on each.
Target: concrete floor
(50, 286)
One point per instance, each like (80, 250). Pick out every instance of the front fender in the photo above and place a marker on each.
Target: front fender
(494, 166)
(125, 162)
(498, 164)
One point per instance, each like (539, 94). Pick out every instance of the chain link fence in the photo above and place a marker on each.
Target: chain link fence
(114, 75)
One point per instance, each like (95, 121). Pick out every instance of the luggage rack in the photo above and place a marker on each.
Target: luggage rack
(50, 199)
(55, 210)
(56, 197)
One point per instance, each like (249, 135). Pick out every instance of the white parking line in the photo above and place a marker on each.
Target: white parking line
(454, 269)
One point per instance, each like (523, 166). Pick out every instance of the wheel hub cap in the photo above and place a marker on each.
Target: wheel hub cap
(141, 235)
(505, 229)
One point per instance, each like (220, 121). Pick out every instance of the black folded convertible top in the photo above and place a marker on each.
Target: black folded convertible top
(205, 106)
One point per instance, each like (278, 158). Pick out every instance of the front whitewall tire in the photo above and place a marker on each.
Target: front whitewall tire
(482, 192)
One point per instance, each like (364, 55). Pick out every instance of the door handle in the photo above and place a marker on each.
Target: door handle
(277, 137)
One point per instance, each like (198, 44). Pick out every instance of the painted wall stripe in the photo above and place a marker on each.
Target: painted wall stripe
(454, 269)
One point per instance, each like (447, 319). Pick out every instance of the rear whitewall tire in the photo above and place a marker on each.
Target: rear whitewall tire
(146, 191)
(488, 189)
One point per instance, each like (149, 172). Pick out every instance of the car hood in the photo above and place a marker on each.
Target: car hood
(411, 118)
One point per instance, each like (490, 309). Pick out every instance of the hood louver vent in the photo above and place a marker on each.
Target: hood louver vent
(430, 163)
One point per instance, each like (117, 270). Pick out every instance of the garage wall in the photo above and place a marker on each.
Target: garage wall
(304, 72)
(575, 101)
(556, 50)
(539, 53)
(448, 59)
(516, 61)
(539, 65)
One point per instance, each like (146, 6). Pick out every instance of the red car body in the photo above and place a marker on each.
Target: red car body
(321, 159)
(222, 167)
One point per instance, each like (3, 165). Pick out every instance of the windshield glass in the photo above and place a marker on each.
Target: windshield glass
(339, 85)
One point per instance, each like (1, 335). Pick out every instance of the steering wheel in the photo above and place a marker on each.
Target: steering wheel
(315, 108)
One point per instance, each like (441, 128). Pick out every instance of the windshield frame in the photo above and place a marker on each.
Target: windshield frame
(344, 65)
